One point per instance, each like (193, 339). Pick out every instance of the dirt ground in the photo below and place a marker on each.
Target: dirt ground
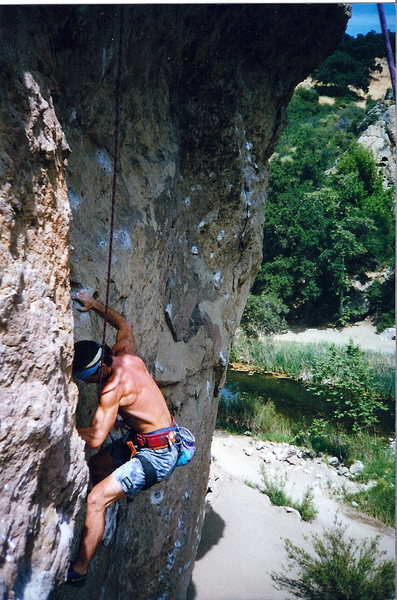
(363, 334)
(243, 537)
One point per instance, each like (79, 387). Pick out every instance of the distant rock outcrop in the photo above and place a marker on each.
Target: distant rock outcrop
(205, 88)
(379, 136)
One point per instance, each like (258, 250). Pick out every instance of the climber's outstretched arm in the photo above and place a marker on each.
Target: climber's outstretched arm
(125, 341)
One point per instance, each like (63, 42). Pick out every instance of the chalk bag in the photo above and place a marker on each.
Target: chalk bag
(186, 445)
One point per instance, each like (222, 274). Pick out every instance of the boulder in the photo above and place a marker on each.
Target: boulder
(356, 467)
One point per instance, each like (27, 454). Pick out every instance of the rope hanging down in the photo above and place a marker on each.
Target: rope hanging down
(116, 168)
(389, 53)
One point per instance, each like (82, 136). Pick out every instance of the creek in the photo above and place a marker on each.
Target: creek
(291, 398)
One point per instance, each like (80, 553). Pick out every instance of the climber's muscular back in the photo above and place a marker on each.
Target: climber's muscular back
(141, 403)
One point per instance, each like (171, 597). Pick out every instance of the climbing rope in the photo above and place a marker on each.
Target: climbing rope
(116, 168)
(389, 53)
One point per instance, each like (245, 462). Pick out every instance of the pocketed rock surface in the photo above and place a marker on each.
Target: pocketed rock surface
(243, 535)
(204, 96)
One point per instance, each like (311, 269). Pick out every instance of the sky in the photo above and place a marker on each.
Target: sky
(365, 18)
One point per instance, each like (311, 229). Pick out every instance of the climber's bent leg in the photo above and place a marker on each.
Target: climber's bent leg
(131, 475)
(108, 459)
(101, 496)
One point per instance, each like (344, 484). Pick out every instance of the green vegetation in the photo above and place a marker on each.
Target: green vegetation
(264, 314)
(247, 412)
(329, 227)
(329, 220)
(373, 451)
(351, 64)
(340, 568)
(381, 299)
(322, 232)
(353, 388)
(302, 361)
(275, 490)
(345, 379)
(379, 500)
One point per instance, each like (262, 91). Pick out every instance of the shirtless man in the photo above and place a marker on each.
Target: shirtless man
(127, 390)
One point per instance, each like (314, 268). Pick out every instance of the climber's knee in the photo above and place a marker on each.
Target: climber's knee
(103, 494)
(95, 501)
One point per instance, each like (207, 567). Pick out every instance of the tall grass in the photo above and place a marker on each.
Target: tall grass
(379, 460)
(248, 412)
(378, 501)
(300, 359)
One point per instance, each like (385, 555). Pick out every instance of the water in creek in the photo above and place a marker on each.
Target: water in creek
(291, 398)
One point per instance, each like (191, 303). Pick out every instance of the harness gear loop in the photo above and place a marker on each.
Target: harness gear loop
(132, 447)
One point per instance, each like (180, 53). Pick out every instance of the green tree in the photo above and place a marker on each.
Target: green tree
(264, 314)
(345, 380)
(381, 296)
(341, 70)
(316, 240)
(352, 63)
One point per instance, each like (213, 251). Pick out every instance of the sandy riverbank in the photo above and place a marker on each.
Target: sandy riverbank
(243, 536)
(363, 334)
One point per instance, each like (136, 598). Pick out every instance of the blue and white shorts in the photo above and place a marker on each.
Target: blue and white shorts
(130, 473)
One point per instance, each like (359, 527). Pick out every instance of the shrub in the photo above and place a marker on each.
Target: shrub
(300, 360)
(264, 314)
(346, 380)
(385, 320)
(381, 300)
(306, 507)
(341, 568)
(323, 437)
(275, 491)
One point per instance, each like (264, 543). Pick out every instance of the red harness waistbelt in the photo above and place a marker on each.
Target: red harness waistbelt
(156, 440)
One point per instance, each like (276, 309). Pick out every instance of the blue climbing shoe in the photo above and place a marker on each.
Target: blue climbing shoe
(75, 579)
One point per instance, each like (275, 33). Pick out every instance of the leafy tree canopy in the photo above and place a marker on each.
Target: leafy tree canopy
(352, 62)
(328, 217)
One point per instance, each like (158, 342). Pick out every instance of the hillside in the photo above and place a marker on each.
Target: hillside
(379, 83)
(329, 216)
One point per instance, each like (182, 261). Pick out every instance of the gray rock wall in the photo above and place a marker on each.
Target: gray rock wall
(205, 90)
(43, 475)
(379, 136)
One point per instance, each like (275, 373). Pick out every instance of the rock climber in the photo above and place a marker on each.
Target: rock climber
(145, 455)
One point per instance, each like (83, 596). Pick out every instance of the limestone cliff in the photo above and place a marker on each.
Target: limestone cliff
(204, 92)
(378, 134)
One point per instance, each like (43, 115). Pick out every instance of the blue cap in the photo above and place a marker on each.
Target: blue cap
(92, 366)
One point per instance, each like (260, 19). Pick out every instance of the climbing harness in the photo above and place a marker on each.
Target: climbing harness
(114, 182)
(180, 436)
(149, 470)
(157, 440)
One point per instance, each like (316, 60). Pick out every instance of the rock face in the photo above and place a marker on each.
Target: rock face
(204, 91)
(379, 136)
